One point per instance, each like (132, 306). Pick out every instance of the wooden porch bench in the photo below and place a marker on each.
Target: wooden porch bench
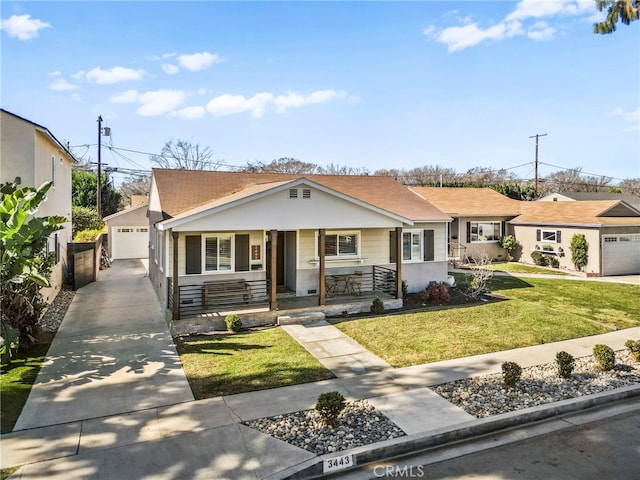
(226, 290)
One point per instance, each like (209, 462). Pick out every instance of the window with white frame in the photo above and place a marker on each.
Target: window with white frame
(217, 253)
(550, 236)
(343, 244)
(412, 246)
(484, 232)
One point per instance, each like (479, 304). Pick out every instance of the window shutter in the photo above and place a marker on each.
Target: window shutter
(242, 253)
(429, 246)
(558, 236)
(538, 235)
(193, 254)
(503, 229)
(392, 246)
(468, 232)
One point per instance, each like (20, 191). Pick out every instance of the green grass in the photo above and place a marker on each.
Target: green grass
(537, 310)
(225, 364)
(16, 377)
(514, 267)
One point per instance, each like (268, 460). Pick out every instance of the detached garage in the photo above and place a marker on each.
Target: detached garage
(620, 254)
(128, 233)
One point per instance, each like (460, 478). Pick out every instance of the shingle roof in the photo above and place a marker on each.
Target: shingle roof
(591, 213)
(582, 196)
(470, 201)
(181, 191)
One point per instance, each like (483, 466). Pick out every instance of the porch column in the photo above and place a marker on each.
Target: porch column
(398, 262)
(273, 270)
(175, 312)
(322, 290)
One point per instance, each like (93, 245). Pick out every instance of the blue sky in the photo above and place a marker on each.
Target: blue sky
(362, 84)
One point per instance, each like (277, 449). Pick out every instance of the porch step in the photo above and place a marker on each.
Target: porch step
(300, 318)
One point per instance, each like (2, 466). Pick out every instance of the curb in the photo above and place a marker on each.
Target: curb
(313, 468)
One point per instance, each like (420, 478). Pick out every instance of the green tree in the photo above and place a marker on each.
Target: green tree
(84, 188)
(85, 218)
(579, 251)
(625, 11)
(25, 265)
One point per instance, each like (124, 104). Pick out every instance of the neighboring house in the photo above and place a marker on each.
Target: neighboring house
(222, 227)
(128, 232)
(632, 200)
(480, 219)
(31, 152)
(611, 228)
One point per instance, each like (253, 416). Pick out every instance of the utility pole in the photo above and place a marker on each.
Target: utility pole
(537, 135)
(99, 190)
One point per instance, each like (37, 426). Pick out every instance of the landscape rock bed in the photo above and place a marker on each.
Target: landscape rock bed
(359, 424)
(486, 395)
(52, 317)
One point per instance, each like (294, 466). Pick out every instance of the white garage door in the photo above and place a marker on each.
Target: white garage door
(130, 242)
(620, 254)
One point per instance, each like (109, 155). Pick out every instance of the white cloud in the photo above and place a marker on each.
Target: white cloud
(458, 38)
(189, 113)
(541, 31)
(61, 85)
(633, 118)
(128, 96)
(23, 27)
(57, 73)
(169, 69)
(550, 8)
(296, 100)
(159, 102)
(79, 75)
(198, 61)
(113, 75)
(169, 55)
(229, 104)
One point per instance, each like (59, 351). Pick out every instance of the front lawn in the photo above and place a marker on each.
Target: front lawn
(537, 310)
(17, 376)
(515, 267)
(225, 364)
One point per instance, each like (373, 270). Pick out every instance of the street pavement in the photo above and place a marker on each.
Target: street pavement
(121, 407)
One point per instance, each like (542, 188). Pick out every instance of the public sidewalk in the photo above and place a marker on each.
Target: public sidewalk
(206, 439)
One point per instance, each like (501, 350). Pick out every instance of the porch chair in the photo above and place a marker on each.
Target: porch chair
(355, 283)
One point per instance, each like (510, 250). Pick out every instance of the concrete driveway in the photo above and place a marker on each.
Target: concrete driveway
(112, 354)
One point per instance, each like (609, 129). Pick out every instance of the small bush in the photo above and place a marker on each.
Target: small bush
(234, 324)
(377, 306)
(86, 236)
(329, 406)
(538, 258)
(437, 293)
(552, 261)
(565, 363)
(511, 373)
(634, 348)
(604, 356)
(547, 248)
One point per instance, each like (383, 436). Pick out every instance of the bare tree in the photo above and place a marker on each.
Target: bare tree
(283, 165)
(138, 185)
(184, 155)
(630, 186)
(333, 169)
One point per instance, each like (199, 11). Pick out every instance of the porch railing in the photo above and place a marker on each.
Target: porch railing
(384, 280)
(193, 299)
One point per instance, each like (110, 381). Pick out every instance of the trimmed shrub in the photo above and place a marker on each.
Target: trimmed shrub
(511, 373)
(605, 357)
(634, 348)
(234, 324)
(329, 406)
(565, 363)
(538, 258)
(437, 293)
(377, 306)
(552, 261)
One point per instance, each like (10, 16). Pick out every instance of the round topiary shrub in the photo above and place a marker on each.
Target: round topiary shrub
(377, 307)
(329, 406)
(565, 363)
(604, 356)
(634, 348)
(234, 324)
(511, 373)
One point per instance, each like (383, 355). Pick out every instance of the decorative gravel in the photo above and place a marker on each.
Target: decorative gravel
(359, 424)
(52, 317)
(486, 395)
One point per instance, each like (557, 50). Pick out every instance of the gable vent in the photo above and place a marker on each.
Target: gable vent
(293, 193)
(306, 193)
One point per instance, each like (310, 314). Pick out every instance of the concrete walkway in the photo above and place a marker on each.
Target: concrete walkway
(340, 354)
(112, 354)
(113, 401)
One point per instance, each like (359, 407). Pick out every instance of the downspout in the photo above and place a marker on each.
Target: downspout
(398, 262)
(175, 312)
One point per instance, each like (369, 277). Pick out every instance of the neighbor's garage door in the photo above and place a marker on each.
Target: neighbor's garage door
(130, 242)
(620, 255)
